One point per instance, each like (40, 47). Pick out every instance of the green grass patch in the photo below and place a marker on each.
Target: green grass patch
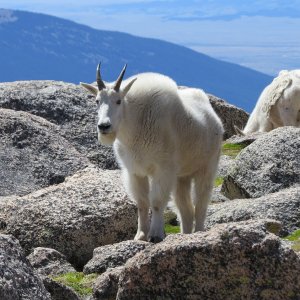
(170, 229)
(295, 239)
(296, 246)
(218, 181)
(295, 236)
(232, 150)
(80, 283)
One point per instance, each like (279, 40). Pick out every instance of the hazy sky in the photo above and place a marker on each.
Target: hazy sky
(262, 34)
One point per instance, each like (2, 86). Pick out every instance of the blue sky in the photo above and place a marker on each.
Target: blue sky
(263, 35)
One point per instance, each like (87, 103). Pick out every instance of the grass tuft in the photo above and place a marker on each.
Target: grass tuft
(296, 246)
(80, 283)
(232, 150)
(295, 236)
(295, 239)
(218, 181)
(170, 229)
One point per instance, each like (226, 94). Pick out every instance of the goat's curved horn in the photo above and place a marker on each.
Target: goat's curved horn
(120, 78)
(100, 83)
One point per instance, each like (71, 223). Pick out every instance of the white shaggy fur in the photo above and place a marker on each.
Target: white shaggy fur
(278, 104)
(166, 141)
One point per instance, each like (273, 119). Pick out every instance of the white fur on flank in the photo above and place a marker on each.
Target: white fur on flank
(278, 104)
(166, 141)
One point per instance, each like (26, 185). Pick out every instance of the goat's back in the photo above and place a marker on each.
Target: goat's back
(169, 125)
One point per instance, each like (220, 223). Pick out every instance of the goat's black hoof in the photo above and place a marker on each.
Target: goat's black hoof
(155, 239)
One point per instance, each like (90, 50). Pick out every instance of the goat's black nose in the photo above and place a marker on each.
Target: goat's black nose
(104, 127)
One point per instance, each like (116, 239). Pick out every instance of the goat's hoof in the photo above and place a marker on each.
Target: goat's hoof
(154, 239)
(140, 236)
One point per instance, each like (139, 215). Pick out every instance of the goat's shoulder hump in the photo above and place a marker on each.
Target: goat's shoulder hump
(153, 81)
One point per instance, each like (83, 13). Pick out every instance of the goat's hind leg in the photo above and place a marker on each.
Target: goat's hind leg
(203, 188)
(138, 189)
(184, 204)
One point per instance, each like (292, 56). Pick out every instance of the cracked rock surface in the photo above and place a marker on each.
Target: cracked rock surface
(230, 261)
(66, 105)
(17, 277)
(86, 211)
(268, 165)
(33, 154)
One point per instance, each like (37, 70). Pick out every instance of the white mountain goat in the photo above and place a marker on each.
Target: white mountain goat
(166, 141)
(278, 105)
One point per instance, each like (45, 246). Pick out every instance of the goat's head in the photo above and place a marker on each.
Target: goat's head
(109, 99)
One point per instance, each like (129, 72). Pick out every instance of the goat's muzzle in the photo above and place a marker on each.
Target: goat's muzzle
(104, 128)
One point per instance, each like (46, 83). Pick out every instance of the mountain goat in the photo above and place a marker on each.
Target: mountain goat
(166, 141)
(278, 105)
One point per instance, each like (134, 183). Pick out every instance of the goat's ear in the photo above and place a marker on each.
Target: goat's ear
(92, 89)
(238, 131)
(128, 86)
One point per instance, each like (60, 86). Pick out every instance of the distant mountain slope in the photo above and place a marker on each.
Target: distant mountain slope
(37, 46)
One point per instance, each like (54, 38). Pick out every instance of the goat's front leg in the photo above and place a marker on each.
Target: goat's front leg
(138, 189)
(160, 190)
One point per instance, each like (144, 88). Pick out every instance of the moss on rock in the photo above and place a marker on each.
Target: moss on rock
(80, 283)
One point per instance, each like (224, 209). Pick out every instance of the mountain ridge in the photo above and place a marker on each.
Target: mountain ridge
(39, 46)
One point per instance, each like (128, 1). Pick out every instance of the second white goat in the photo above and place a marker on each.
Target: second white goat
(277, 106)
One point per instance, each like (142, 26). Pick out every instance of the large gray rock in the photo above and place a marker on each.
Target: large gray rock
(217, 196)
(59, 291)
(230, 115)
(33, 154)
(244, 140)
(106, 285)
(47, 261)
(18, 280)
(86, 211)
(225, 164)
(231, 261)
(111, 256)
(282, 206)
(268, 165)
(63, 104)
(50, 263)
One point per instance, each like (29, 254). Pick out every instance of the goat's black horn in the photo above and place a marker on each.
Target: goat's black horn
(100, 83)
(120, 78)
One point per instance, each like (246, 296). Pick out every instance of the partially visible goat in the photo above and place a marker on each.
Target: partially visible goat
(278, 105)
(166, 140)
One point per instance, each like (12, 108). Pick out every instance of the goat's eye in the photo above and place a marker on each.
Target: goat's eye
(118, 101)
(97, 101)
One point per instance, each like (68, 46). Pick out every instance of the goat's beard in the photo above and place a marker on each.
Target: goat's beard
(106, 139)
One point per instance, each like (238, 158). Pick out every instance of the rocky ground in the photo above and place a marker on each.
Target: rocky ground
(66, 223)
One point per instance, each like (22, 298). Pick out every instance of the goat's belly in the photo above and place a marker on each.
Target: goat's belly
(189, 162)
(148, 163)
(188, 169)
